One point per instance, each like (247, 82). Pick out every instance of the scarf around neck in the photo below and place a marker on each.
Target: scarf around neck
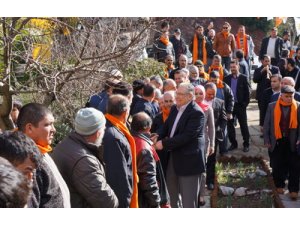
(195, 49)
(44, 149)
(218, 68)
(245, 43)
(277, 116)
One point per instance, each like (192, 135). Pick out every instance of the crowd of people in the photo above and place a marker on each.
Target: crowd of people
(154, 143)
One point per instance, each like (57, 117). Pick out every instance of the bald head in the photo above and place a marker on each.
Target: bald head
(169, 85)
(117, 105)
(141, 122)
(287, 81)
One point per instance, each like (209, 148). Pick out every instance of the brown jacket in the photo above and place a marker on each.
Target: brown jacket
(224, 47)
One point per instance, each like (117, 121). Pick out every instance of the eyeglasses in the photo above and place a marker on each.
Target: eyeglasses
(225, 28)
(198, 93)
(169, 101)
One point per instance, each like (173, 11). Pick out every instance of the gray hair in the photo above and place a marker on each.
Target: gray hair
(193, 69)
(157, 79)
(189, 88)
(290, 80)
(170, 93)
(210, 85)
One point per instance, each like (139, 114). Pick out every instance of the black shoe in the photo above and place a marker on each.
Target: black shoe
(246, 149)
(232, 147)
(202, 203)
(210, 186)
(261, 136)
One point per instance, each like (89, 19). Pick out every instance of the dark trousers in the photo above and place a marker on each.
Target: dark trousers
(240, 112)
(226, 62)
(210, 166)
(164, 158)
(285, 164)
(261, 114)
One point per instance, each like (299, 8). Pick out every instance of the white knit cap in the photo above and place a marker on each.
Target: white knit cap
(88, 121)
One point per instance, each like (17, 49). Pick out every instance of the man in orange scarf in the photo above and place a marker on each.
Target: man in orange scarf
(198, 45)
(245, 43)
(217, 66)
(158, 124)
(168, 66)
(50, 189)
(120, 153)
(282, 137)
(224, 45)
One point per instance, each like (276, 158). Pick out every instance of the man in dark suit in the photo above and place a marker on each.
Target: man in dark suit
(183, 136)
(267, 95)
(220, 126)
(262, 78)
(272, 46)
(293, 71)
(241, 89)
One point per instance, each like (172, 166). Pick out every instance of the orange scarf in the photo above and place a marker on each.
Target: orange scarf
(165, 113)
(204, 75)
(225, 34)
(277, 116)
(245, 43)
(195, 49)
(44, 149)
(166, 71)
(122, 127)
(220, 84)
(164, 40)
(218, 68)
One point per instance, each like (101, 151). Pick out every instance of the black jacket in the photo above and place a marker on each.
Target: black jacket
(262, 81)
(179, 47)
(81, 165)
(243, 89)
(264, 47)
(118, 162)
(143, 105)
(220, 118)
(266, 99)
(228, 98)
(161, 50)
(187, 143)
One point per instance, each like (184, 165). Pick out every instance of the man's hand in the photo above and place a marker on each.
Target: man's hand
(210, 151)
(229, 116)
(158, 145)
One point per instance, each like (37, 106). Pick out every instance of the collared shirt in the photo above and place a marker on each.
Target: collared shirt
(233, 86)
(220, 93)
(271, 47)
(179, 114)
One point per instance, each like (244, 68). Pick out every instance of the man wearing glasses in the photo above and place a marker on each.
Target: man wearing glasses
(224, 45)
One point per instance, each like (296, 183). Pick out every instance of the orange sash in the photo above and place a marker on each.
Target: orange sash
(220, 84)
(195, 49)
(122, 127)
(165, 113)
(217, 68)
(277, 116)
(245, 43)
(164, 40)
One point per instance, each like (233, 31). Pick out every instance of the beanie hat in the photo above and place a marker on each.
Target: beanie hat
(88, 121)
